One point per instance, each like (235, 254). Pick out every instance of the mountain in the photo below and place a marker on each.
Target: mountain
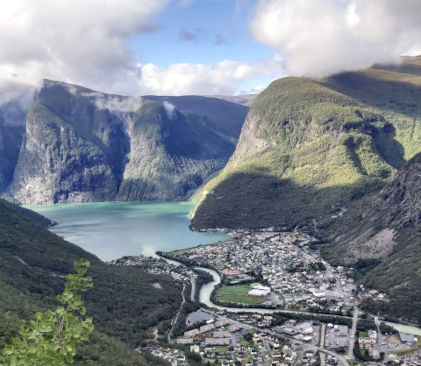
(382, 239)
(82, 145)
(245, 99)
(309, 148)
(123, 302)
(12, 129)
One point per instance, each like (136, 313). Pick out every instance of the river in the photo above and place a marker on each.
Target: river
(205, 298)
(111, 230)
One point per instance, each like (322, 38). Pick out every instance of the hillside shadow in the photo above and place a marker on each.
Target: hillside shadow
(260, 200)
(396, 96)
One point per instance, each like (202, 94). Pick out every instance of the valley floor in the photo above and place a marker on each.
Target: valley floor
(311, 314)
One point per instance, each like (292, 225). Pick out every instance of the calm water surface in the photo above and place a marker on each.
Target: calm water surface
(111, 230)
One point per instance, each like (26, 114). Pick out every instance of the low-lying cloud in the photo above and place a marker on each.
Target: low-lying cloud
(169, 109)
(321, 37)
(223, 77)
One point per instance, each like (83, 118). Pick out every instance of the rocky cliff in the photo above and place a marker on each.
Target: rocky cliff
(81, 145)
(12, 128)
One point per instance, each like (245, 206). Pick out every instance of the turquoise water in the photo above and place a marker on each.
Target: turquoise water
(111, 230)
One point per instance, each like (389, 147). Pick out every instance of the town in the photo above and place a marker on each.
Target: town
(309, 309)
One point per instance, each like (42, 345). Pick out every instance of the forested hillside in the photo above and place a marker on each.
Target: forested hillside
(123, 302)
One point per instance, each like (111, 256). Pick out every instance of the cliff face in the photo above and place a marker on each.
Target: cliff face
(56, 164)
(12, 128)
(81, 145)
(171, 154)
(309, 148)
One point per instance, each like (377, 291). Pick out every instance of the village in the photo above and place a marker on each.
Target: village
(296, 277)
(278, 272)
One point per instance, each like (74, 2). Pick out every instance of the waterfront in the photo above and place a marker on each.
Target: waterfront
(111, 230)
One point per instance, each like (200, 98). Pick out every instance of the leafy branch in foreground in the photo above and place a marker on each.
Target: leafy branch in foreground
(51, 338)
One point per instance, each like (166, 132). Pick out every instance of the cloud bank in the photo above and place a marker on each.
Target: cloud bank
(223, 77)
(321, 37)
(85, 42)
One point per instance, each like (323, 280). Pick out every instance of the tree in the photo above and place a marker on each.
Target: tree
(51, 338)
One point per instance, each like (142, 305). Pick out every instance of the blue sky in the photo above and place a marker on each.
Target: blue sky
(204, 31)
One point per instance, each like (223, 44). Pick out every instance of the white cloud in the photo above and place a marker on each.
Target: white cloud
(170, 109)
(80, 41)
(321, 37)
(224, 77)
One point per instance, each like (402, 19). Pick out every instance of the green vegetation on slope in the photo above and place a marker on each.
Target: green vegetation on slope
(52, 336)
(83, 145)
(123, 303)
(308, 149)
(314, 155)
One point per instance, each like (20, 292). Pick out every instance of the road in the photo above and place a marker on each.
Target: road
(322, 344)
(352, 333)
(174, 322)
(193, 289)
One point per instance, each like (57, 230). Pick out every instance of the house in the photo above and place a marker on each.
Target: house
(197, 317)
(305, 328)
(191, 333)
(259, 291)
(407, 338)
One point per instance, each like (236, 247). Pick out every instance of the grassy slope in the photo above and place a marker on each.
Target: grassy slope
(123, 302)
(325, 147)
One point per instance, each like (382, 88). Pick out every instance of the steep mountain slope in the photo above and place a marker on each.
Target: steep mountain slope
(12, 128)
(123, 302)
(171, 153)
(310, 147)
(81, 145)
(383, 240)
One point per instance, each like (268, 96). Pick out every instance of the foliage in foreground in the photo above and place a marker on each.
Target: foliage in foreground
(52, 337)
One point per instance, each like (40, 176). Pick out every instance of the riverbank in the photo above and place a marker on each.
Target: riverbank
(206, 291)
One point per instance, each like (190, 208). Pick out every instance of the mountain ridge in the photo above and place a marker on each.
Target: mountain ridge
(311, 137)
(81, 145)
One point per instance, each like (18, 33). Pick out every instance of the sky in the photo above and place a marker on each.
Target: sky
(208, 47)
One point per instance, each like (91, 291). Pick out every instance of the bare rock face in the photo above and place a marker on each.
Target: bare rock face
(399, 203)
(12, 129)
(81, 145)
(57, 165)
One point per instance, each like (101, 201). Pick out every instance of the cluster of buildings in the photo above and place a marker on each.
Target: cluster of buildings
(284, 261)
(158, 266)
(370, 344)
(337, 337)
(173, 356)
(305, 331)
(231, 342)
(285, 271)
